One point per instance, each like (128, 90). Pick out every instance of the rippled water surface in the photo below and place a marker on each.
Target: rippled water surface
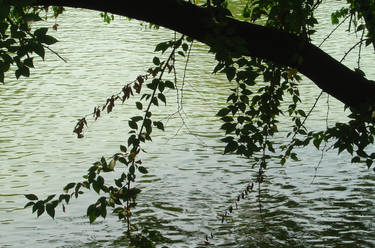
(190, 182)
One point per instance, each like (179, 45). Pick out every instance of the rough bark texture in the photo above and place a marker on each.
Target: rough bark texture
(271, 44)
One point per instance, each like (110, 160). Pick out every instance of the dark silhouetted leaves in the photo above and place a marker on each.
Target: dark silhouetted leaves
(31, 197)
(159, 125)
(142, 170)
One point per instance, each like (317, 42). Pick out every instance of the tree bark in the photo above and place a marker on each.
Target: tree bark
(274, 45)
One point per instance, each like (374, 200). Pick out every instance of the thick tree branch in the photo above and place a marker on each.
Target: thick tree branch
(271, 44)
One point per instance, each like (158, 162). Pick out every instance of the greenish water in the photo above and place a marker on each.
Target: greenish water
(190, 182)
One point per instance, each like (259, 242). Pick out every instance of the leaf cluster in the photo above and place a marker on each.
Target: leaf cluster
(17, 42)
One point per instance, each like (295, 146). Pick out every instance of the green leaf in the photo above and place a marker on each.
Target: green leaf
(223, 112)
(18, 73)
(31, 197)
(294, 156)
(162, 98)
(227, 119)
(169, 84)
(69, 186)
(50, 210)
(334, 19)
(185, 47)
(147, 124)
(54, 203)
(31, 17)
(231, 147)
(132, 169)
(155, 101)
(96, 186)
(49, 198)
(132, 140)
(40, 32)
(230, 72)
(39, 49)
(133, 125)
(181, 53)
(92, 213)
(356, 159)
(76, 190)
(24, 71)
(118, 183)
(301, 113)
(103, 211)
(139, 105)
(29, 204)
(40, 210)
(361, 153)
(122, 160)
(100, 181)
(123, 148)
(161, 86)
(317, 143)
(162, 47)
(227, 139)
(228, 127)
(282, 161)
(49, 40)
(36, 206)
(156, 61)
(29, 62)
(137, 118)
(64, 197)
(142, 170)
(159, 125)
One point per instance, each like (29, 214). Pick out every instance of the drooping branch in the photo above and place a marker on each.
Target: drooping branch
(277, 46)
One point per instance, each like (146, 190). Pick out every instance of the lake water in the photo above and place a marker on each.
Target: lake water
(190, 182)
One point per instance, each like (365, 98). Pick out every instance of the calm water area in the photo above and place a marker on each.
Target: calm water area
(190, 181)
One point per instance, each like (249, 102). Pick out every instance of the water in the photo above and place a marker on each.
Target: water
(190, 182)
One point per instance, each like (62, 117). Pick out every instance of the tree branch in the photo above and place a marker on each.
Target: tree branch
(277, 46)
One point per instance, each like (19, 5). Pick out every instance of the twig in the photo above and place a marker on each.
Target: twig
(324, 147)
(333, 30)
(308, 114)
(56, 53)
(351, 49)
(360, 50)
